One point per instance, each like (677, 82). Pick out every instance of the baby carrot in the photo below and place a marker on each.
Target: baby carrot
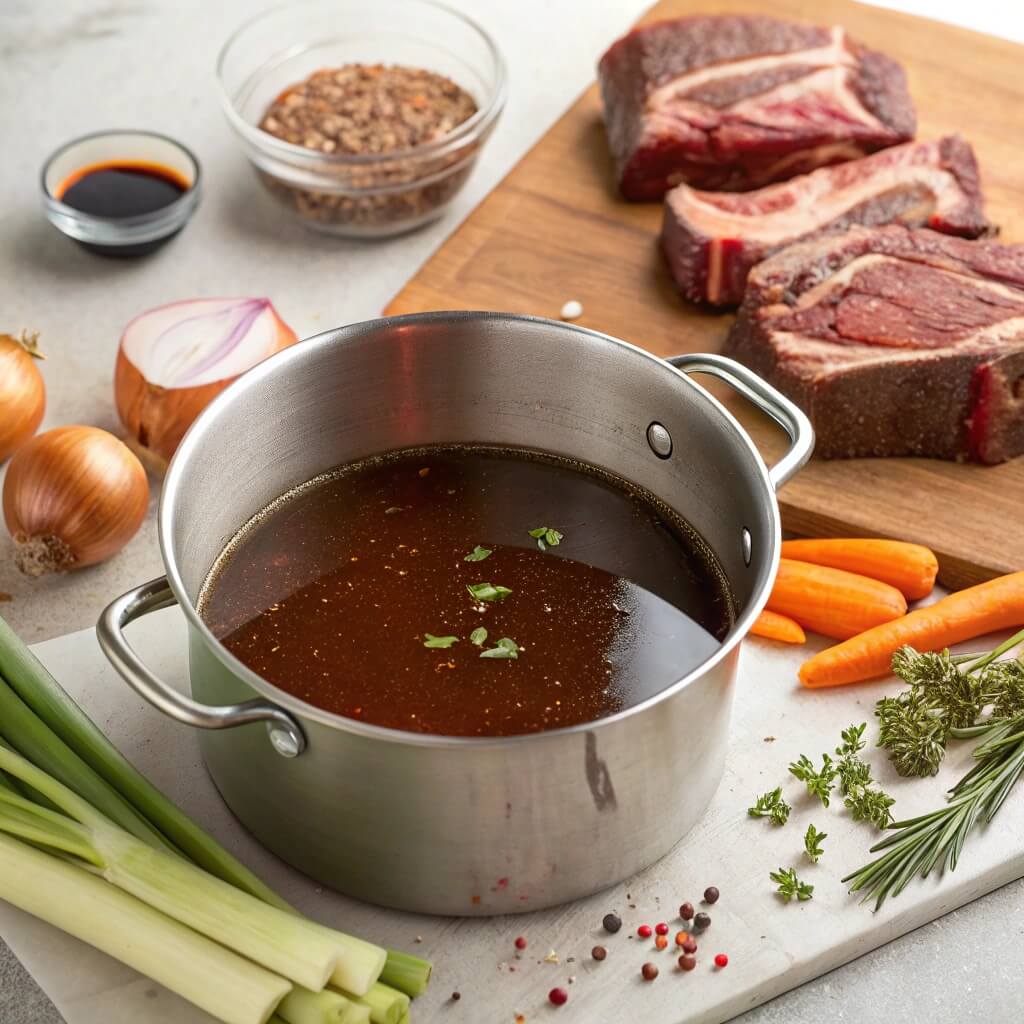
(778, 627)
(833, 602)
(910, 568)
(985, 608)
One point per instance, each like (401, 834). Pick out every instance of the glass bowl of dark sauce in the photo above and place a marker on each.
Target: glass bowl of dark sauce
(121, 193)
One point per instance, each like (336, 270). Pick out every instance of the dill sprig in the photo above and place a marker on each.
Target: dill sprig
(771, 806)
(918, 845)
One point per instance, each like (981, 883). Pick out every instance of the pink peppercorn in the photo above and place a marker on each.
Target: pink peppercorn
(521, 942)
(662, 928)
(558, 997)
(644, 931)
(661, 942)
(721, 960)
(690, 945)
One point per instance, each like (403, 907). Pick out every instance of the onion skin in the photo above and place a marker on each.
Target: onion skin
(156, 417)
(73, 497)
(22, 393)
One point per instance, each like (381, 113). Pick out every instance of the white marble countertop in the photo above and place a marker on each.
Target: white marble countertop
(75, 66)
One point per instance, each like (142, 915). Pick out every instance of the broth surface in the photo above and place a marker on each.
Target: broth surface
(329, 593)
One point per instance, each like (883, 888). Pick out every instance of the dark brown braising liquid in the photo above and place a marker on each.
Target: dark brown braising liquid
(328, 593)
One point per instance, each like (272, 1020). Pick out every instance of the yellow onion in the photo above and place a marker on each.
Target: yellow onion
(73, 497)
(22, 393)
(175, 359)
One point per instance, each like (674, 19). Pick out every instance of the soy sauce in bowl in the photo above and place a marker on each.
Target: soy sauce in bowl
(127, 188)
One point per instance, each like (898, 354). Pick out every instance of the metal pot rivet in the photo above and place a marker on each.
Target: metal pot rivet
(660, 440)
(283, 742)
(748, 545)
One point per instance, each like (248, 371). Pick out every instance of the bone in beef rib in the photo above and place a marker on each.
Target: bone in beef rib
(738, 101)
(894, 341)
(712, 239)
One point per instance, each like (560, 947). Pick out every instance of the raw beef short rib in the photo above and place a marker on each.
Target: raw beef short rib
(712, 239)
(894, 341)
(734, 102)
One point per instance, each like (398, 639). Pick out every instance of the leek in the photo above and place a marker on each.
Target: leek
(409, 974)
(29, 735)
(213, 978)
(361, 966)
(281, 941)
(69, 725)
(301, 1006)
(386, 1005)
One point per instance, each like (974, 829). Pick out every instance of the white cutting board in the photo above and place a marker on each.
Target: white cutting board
(772, 947)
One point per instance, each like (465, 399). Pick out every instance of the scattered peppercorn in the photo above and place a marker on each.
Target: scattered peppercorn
(711, 894)
(649, 972)
(456, 996)
(702, 921)
(681, 938)
(687, 962)
(558, 997)
(644, 931)
(690, 945)
(599, 952)
(686, 911)
(721, 960)
(521, 942)
(612, 923)
(661, 942)
(661, 928)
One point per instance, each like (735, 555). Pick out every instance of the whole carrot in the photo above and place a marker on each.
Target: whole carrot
(778, 627)
(986, 608)
(910, 568)
(833, 602)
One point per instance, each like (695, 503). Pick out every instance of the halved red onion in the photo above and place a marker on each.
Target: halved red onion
(175, 359)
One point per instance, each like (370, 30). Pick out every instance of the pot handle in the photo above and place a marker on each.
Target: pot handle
(787, 414)
(286, 736)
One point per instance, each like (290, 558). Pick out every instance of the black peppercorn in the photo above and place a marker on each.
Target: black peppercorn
(612, 923)
(711, 894)
(702, 921)
(456, 996)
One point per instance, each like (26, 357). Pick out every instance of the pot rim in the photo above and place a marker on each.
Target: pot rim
(277, 363)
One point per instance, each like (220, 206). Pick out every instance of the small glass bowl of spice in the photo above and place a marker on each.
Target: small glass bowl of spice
(362, 117)
(121, 193)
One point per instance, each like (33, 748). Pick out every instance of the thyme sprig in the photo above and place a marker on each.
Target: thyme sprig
(771, 806)
(946, 693)
(789, 886)
(819, 783)
(812, 843)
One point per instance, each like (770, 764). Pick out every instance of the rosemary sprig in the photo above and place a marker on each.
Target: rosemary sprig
(771, 806)
(919, 845)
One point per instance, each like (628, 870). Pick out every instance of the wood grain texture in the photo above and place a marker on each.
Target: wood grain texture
(555, 229)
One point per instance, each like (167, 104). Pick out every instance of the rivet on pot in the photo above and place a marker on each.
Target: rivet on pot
(748, 545)
(660, 440)
(284, 742)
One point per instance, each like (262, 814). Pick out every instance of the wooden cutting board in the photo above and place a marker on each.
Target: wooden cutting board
(555, 229)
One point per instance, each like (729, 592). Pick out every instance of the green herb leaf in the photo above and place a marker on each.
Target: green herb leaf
(546, 537)
(853, 740)
(870, 805)
(772, 806)
(789, 886)
(819, 783)
(443, 642)
(812, 843)
(478, 636)
(506, 648)
(478, 554)
(488, 591)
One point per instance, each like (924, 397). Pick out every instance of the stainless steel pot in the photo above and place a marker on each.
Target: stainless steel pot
(456, 825)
